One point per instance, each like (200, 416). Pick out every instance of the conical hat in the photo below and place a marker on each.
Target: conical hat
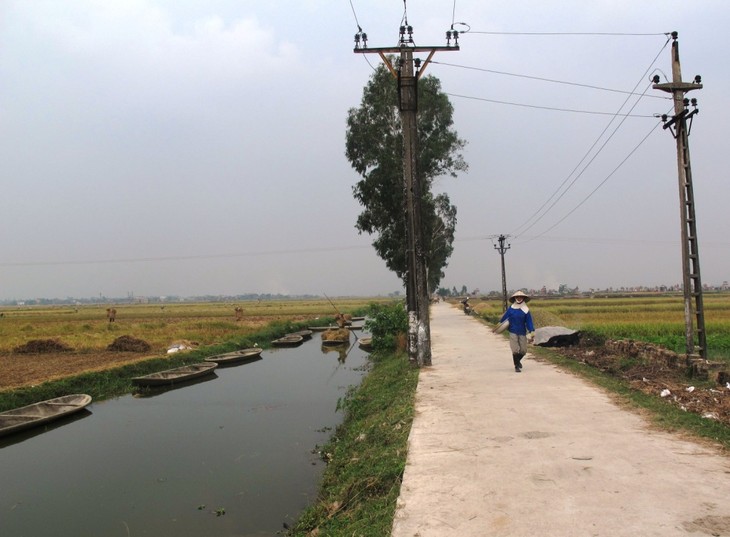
(519, 293)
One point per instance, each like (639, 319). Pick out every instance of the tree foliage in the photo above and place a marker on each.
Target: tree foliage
(374, 147)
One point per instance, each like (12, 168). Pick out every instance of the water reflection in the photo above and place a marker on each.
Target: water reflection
(243, 442)
(35, 431)
(223, 365)
(153, 391)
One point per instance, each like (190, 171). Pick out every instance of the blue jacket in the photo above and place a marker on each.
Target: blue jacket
(520, 323)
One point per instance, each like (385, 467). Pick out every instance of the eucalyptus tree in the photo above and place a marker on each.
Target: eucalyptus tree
(374, 147)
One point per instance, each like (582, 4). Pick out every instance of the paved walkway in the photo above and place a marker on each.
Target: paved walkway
(542, 453)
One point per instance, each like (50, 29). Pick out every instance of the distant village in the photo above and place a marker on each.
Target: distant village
(564, 290)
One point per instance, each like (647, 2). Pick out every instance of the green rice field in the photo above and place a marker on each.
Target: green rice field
(655, 319)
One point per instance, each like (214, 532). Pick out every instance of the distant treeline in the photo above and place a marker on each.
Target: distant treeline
(152, 299)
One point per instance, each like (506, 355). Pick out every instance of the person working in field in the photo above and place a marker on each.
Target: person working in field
(520, 325)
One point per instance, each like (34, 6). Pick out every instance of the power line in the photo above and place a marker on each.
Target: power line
(575, 179)
(591, 240)
(355, 15)
(181, 257)
(602, 182)
(589, 86)
(522, 226)
(552, 108)
(596, 34)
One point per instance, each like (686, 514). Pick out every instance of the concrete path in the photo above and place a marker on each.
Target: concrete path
(542, 453)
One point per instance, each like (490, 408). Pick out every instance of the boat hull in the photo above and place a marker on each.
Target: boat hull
(235, 357)
(174, 376)
(20, 419)
(288, 341)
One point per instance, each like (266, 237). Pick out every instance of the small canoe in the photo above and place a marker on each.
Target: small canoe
(288, 341)
(18, 419)
(306, 334)
(243, 355)
(365, 343)
(173, 376)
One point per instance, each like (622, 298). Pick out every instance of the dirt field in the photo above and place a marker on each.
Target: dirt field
(21, 370)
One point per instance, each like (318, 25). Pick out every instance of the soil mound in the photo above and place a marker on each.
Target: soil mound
(40, 346)
(129, 344)
(658, 372)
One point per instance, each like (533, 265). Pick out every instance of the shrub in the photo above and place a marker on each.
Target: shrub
(388, 324)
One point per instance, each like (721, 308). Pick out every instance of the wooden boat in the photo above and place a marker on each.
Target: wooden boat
(336, 336)
(306, 334)
(290, 340)
(365, 343)
(235, 357)
(18, 419)
(179, 374)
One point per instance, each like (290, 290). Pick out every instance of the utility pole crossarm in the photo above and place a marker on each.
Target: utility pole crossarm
(397, 50)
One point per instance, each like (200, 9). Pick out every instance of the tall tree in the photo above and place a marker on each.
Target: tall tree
(374, 147)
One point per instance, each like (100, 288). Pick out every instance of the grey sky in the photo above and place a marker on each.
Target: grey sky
(180, 148)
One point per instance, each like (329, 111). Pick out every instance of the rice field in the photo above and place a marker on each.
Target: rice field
(655, 319)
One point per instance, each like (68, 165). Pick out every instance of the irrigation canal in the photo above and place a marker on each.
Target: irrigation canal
(233, 455)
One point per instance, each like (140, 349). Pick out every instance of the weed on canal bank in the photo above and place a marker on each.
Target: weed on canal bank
(366, 456)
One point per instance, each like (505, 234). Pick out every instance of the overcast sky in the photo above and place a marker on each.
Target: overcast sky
(176, 147)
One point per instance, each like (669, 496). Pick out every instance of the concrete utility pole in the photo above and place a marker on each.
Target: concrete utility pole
(502, 249)
(679, 127)
(417, 294)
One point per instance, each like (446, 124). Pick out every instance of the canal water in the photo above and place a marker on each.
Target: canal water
(234, 455)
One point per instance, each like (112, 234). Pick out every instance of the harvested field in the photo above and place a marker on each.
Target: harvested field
(38, 344)
(21, 370)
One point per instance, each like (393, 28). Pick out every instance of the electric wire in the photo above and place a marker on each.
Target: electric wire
(359, 29)
(552, 108)
(181, 257)
(598, 34)
(522, 229)
(578, 84)
(525, 227)
(321, 250)
(599, 185)
(592, 240)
